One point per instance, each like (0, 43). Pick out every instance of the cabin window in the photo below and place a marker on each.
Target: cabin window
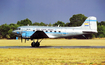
(59, 31)
(28, 29)
(33, 30)
(46, 31)
(50, 31)
(55, 31)
(18, 29)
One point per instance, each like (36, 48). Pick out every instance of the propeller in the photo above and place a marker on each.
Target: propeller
(25, 40)
(84, 36)
(21, 39)
(22, 35)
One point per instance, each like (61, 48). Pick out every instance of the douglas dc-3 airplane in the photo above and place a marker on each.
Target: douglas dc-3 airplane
(40, 32)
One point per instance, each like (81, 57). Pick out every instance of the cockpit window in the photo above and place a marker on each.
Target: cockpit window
(18, 28)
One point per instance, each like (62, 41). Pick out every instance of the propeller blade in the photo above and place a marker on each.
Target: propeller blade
(25, 40)
(84, 36)
(21, 38)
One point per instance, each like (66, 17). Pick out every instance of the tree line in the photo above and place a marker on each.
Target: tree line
(75, 20)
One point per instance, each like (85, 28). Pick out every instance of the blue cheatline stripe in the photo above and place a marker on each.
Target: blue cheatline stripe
(29, 33)
(91, 20)
(86, 25)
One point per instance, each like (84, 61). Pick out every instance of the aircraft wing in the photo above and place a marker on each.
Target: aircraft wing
(39, 35)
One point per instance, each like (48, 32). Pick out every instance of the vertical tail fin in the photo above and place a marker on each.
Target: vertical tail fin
(90, 23)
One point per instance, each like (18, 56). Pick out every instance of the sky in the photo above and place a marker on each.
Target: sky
(49, 11)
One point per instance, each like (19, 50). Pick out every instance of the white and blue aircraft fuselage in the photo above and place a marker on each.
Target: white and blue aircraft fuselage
(39, 32)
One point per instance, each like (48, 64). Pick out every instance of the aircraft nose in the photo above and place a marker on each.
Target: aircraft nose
(15, 32)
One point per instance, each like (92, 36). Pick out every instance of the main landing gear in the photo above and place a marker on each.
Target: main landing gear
(35, 44)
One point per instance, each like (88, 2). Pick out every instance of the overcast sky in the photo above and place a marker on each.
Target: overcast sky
(49, 11)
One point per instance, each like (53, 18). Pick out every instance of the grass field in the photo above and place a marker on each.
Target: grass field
(56, 42)
(52, 56)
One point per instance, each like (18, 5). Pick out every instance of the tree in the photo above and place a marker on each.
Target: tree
(36, 24)
(12, 27)
(49, 24)
(60, 23)
(77, 20)
(67, 24)
(4, 30)
(101, 31)
(42, 24)
(101, 23)
(24, 22)
(101, 35)
(7, 36)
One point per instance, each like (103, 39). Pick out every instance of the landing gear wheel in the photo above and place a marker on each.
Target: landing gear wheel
(37, 44)
(33, 44)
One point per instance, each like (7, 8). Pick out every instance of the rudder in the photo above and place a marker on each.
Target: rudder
(90, 23)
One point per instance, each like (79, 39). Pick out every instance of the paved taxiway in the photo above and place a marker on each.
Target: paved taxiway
(53, 47)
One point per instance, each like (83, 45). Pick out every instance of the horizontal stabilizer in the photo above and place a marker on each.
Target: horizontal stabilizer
(89, 32)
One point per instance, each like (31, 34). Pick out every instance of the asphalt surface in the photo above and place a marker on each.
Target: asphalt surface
(53, 47)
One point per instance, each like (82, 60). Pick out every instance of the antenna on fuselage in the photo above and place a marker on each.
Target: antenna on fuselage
(58, 25)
